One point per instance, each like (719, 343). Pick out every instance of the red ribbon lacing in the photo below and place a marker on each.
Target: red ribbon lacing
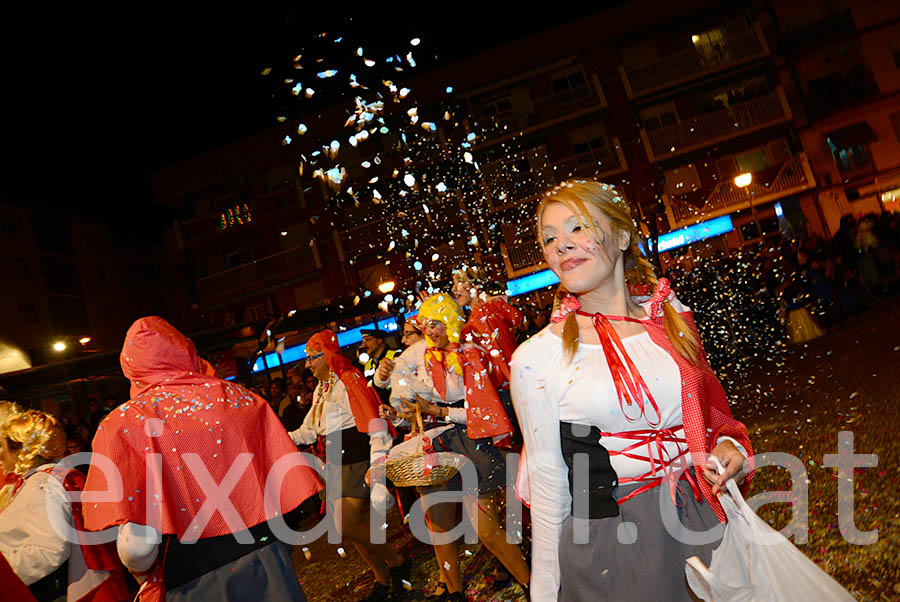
(659, 459)
(630, 385)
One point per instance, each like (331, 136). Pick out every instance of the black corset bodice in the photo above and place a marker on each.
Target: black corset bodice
(594, 481)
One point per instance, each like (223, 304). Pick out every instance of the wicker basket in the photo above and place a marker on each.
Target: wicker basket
(409, 471)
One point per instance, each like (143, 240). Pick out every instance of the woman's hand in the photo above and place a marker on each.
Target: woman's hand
(386, 412)
(731, 459)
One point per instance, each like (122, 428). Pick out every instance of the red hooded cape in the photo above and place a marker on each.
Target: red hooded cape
(364, 401)
(493, 325)
(175, 410)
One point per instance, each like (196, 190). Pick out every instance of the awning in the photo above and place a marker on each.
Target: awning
(852, 135)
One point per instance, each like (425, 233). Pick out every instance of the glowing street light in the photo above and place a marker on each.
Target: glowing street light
(386, 287)
(59, 346)
(695, 38)
(743, 180)
(84, 340)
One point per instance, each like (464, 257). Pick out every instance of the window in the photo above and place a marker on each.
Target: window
(69, 315)
(10, 225)
(753, 161)
(659, 117)
(497, 107)
(588, 139)
(568, 82)
(256, 313)
(242, 256)
(895, 123)
(28, 313)
(280, 177)
(60, 275)
(18, 268)
(850, 147)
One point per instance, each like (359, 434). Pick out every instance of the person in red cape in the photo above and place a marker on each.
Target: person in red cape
(204, 466)
(35, 510)
(620, 411)
(492, 324)
(464, 392)
(344, 417)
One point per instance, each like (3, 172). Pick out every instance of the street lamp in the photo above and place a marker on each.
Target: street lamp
(59, 346)
(84, 340)
(742, 181)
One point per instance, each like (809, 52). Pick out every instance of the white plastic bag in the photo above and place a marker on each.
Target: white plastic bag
(756, 563)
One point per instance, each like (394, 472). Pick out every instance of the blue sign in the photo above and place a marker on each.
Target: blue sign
(298, 352)
(695, 233)
(531, 282)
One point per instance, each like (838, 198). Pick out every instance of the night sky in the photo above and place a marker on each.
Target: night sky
(94, 100)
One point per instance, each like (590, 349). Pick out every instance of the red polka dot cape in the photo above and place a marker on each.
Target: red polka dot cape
(182, 431)
(705, 411)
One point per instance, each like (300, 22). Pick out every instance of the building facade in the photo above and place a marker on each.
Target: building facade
(671, 105)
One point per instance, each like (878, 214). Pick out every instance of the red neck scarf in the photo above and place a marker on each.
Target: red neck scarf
(630, 385)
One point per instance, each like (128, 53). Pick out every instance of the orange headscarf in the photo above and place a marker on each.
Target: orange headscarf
(364, 401)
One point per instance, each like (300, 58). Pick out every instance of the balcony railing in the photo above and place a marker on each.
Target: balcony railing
(794, 176)
(716, 126)
(514, 188)
(605, 160)
(548, 108)
(376, 235)
(259, 272)
(693, 63)
(522, 258)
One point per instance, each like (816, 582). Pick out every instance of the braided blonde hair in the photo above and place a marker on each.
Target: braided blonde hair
(8, 409)
(37, 435)
(576, 195)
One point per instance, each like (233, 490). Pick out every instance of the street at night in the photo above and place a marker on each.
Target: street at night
(845, 381)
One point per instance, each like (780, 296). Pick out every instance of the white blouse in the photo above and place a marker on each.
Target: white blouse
(589, 397)
(28, 538)
(547, 389)
(331, 412)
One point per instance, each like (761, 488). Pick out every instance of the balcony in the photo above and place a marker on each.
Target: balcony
(543, 111)
(376, 235)
(717, 126)
(604, 161)
(264, 271)
(516, 187)
(680, 68)
(793, 177)
(522, 258)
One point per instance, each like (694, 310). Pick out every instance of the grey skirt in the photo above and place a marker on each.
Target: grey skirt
(263, 574)
(487, 459)
(352, 478)
(633, 556)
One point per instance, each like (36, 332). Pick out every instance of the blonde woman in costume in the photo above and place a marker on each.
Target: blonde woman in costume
(623, 382)
(464, 393)
(37, 508)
